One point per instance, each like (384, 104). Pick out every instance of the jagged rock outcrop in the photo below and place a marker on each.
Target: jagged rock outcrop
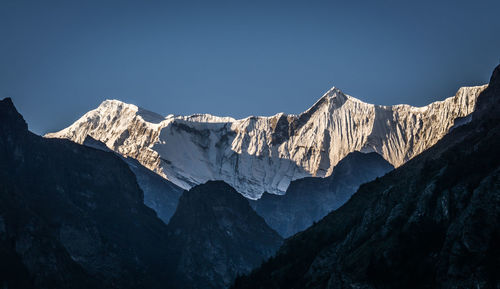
(432, 223)
(215, 236)
(264, 154)
(309, 199)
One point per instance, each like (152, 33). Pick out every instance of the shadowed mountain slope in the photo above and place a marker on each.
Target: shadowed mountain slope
(72, 216)
(160, 194)
(215, 236)
(308, 200)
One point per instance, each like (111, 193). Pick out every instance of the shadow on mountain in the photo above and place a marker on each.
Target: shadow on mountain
(197, 155)
(215, 236)
(150, 116)
(160, 194)
(380, 128)
(308, 200)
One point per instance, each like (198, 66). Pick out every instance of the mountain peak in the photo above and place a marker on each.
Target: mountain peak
(114, 103)
(488, 103)
(7, 101)
(334, 93)
(10, 118)
(333, 98)
(118, 105)
(356, 155)
(495, 77)
(218, 189)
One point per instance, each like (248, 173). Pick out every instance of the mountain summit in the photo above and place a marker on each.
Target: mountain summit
(264, 154)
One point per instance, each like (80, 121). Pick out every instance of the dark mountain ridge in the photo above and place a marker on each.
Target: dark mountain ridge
(215, 236)
(72, 216)
(160, 194)
(309, 199)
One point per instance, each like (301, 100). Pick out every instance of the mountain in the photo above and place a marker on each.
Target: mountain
(216, 236)
(73, 216)
(159, 194)
(308, 200)
(432, 223)
(264, 154)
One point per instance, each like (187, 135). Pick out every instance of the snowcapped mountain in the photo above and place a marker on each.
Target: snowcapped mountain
(258, 154)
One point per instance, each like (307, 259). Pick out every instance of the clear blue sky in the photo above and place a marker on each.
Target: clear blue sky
(59, 59)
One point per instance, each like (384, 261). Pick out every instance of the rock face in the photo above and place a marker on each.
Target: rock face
(72, 216)
(264, 154)
(215, 236)
(309, 199)
(159, 194)
(432, 223)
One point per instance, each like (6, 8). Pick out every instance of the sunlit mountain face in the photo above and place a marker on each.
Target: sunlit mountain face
(264, 154)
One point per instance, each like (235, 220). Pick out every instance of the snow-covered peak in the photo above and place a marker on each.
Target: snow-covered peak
(205, 117)
(257, 154)
(115, 106)
(332, 99)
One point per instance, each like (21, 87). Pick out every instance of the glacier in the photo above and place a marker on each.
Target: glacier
(261, 154)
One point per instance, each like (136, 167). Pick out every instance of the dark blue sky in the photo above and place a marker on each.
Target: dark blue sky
(59, 59)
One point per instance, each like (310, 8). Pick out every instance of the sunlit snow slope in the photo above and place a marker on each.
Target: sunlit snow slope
(258, 154)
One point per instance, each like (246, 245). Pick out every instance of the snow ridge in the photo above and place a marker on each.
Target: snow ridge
(258, 154)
